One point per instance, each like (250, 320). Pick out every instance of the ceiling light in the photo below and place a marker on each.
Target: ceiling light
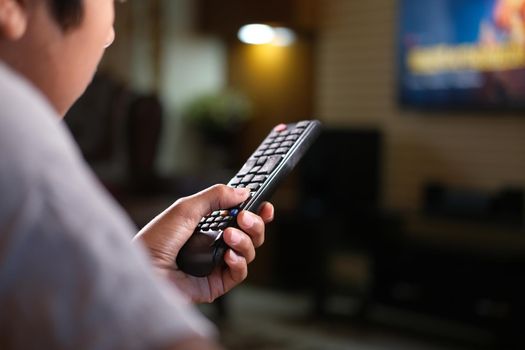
(256, 34)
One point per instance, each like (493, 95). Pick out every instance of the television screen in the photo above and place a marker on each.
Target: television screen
(462, 53)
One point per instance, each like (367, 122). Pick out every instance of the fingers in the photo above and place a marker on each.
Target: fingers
(253, 225)
(266, 212)
(241, 243)
(236, 272)
(210, 199)
(253, 232)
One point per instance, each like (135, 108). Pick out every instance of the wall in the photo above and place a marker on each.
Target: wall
(158, 50)
(355, 75)
(191, 64)
(278, 81)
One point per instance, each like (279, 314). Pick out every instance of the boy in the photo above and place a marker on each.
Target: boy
(69, 276)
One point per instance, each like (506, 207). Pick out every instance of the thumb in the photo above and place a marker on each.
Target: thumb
(186, 212)
(217, 197)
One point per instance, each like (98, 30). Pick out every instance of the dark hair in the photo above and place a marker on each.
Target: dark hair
(68, 13)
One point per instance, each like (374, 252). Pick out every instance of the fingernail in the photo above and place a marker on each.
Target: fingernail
(247, 220)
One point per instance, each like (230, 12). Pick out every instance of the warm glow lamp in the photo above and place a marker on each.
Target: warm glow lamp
(256, 34)
(259, 34)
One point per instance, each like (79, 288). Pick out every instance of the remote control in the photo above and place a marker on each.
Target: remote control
(275, 157)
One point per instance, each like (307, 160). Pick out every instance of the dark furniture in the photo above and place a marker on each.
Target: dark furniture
(338, 190)
(460, 260)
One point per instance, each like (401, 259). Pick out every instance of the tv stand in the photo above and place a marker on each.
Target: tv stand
(456, 270)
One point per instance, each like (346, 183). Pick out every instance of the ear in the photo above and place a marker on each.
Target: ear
(13, 19)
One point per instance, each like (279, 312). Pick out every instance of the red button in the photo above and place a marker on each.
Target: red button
(280, 127)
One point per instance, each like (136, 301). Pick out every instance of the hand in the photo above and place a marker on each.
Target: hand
(166, 234)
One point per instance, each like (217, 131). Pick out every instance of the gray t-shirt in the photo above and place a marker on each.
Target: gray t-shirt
(70, 278)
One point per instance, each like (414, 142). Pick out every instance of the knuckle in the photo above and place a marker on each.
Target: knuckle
(259, 236)
(220, 189)
(241, 269)
(260, 223)
(184, 205)
(253, 256)
(243, 274)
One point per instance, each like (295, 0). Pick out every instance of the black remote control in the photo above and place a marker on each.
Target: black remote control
(276, 156)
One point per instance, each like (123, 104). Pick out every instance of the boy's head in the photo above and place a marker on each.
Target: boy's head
(56, 44)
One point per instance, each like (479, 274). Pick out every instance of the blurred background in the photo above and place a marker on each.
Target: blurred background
(403, 228)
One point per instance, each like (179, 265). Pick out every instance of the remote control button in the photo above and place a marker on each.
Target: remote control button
(302, 124)
(280, 127)
(218, 219)
(279, 139)
(273, 145)
(210, 219)
(287, 144)
(247, 179)
(253, 186)
(259, 178)
(270, 165)
(292, 137)
(247, 167)
(224, 213)
(281, 150)
(269, 152)
(258, 154)
(261, 160)
(255, 169)
(297, 131)
(234, 212)
(222, 225)
(235, 181)
(205, 227)
(214, 225)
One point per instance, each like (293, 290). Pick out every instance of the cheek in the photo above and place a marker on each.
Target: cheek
(91, 49)
(77, 71)
(85, 49)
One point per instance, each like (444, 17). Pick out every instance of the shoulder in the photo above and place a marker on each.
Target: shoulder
(29, 127)
(21, 100)
(31, 138)
(38, 157)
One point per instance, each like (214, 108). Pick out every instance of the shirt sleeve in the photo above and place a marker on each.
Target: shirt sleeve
(70, 278)
(96, 292)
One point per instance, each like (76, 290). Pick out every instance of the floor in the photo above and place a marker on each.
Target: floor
(263, 319)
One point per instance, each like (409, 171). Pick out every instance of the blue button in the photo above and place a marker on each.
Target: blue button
(234, 212)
